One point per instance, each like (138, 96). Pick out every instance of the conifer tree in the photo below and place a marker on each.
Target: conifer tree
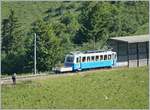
(12, 44)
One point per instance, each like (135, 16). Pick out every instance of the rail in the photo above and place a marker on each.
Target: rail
(8, 80)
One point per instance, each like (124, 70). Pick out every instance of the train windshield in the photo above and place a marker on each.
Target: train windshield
(69, 59)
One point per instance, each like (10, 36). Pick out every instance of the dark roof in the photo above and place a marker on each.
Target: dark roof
(132, 39)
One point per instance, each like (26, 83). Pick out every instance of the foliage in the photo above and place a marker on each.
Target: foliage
(48, 46)
(63, 27)
(102, 20)
(142, 29)
(109, 89)
(13, 49)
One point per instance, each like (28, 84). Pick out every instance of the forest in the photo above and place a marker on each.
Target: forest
(62, 27)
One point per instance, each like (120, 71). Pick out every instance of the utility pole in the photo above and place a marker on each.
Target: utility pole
(35, 53)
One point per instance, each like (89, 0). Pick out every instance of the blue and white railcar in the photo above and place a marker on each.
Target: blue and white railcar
(88, 59)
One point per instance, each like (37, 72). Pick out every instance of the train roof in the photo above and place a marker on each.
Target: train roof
(90, 52)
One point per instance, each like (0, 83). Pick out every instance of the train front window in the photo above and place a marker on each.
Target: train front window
(114, 56)
(69, 59)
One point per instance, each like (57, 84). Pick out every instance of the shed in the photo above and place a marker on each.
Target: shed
(132, 51)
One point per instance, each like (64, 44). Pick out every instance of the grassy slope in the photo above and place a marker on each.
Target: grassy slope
(122, 88)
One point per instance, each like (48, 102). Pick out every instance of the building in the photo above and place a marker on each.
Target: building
(132, 51)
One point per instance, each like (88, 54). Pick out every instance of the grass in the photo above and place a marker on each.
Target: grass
(121, 88)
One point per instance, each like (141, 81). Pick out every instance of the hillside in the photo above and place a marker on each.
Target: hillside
(62, 27)
(121, 88)
(28, 11)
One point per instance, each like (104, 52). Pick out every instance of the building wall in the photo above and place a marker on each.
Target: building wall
(132, 54)
(143, 54)
(121, 49)
(132, 49)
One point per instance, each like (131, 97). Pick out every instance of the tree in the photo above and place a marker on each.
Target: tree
(48, 46)
(12, 45)
(10, 32)
(96, 20)
(102, 20)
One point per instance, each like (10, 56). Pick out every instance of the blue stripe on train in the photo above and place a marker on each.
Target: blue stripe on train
(95, 64)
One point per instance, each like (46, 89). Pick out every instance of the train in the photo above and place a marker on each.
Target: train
(90, 59)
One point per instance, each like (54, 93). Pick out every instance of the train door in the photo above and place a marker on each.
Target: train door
(78, 63)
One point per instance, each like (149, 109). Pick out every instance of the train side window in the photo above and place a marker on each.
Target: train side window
(101, 57)
(77, 60)
(92, 58)
(97, 58)
(83, 59)
(109, 57)
(88, 59)
(105, 57)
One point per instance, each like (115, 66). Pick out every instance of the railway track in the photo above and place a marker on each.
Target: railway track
(8, 80)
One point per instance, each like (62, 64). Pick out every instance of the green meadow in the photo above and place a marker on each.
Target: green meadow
(119, 88)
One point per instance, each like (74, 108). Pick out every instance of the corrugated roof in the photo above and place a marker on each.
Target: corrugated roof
(132, 39)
